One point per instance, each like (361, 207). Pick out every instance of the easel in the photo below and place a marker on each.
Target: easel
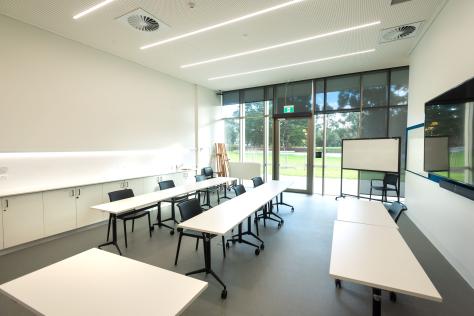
(222, 162)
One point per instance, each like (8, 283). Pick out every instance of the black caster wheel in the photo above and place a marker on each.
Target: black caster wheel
(292, 209)
(257, 252)
(282, 221)
(279, 225)
(393, 296)
(227, 245)
(233, 242)
(172, 232)
(338, 283)
(152, 228)
(224, 294)
(262, 246)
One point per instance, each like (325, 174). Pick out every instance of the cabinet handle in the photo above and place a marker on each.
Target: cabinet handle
(73, 193)
(127, 184)
(6, 205)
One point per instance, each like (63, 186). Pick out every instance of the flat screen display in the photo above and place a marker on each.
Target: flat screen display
(449, 141)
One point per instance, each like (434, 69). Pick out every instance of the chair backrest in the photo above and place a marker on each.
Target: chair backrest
(396, 209)
(239, 189)
(208, 172)
(390, 178)
(120, 195)
(189, 208)
(257, 181)
(167, 184)
(200, 177)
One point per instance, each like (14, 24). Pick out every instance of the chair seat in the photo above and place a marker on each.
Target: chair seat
(133, 215)
(378, 187)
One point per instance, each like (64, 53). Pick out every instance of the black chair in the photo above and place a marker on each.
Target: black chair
(239, 190)
(188, 209)
(389, 184)
(128, 216)
(163, 185)
(206, 192)
(267, 209)
(207, 172)
(395, 209)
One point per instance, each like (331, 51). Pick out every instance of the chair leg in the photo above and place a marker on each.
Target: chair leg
(223, 246)
(149, 224)
(133, 225)
(108, 227)
(197, 243)
(125, 233)
(256, 224)
(177, 250)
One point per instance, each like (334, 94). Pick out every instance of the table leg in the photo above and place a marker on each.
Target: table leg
(159, 221)
(376, 302)
(225, 192)
(238, 237)
(207, 265)
(114, 235)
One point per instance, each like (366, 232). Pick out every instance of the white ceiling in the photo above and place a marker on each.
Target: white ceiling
(311, 17)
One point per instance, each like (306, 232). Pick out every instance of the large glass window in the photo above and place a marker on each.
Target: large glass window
(343, 93)
(294, 98)
(399, 86)
(374, 89)
(254, 132)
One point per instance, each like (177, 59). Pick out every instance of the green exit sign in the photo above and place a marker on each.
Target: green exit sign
(289, 109)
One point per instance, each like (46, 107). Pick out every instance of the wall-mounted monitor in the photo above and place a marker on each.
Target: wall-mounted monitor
(449, 140)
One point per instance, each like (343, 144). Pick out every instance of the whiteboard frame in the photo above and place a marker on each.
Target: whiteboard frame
(342, 164)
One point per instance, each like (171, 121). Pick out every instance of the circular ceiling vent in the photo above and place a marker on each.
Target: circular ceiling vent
(400, 32)
(143, 23)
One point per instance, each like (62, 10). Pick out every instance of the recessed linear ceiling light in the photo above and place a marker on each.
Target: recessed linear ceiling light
(215, 26)
(293, 65)
(302, 40)
(91, 9)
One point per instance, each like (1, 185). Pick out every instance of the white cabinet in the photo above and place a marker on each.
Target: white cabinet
(135, 184)
(89, 196)
(1, 223)
(150, 184)
(59, 211)
(22, 219)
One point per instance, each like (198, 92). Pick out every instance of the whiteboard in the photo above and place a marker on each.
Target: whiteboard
(377, 154)
(34, 172)
(245, 170)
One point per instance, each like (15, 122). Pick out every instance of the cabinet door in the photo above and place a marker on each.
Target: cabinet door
(150, 184)
(89, 196)
(136, 185)
(2, 208)
(110, 187)
(177, 178)
(22, 219)
(59, 211)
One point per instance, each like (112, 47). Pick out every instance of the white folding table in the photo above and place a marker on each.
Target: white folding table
(223, 217)
(378, 257)
(364, 212)
(96, 282)
(150, 199)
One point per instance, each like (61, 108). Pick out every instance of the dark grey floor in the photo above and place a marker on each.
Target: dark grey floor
(290, 277)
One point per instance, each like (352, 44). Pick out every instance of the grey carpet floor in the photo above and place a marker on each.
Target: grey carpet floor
(290, 277)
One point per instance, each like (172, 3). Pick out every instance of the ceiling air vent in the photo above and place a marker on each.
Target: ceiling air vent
(400, 32)
(143, 21)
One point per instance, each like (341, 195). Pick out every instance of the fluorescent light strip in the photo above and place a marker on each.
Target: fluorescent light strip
(293, 65)
(215, 26)
(91, 9)
(302, 40)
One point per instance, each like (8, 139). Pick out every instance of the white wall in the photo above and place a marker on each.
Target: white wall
(57, 95)
(442, 59)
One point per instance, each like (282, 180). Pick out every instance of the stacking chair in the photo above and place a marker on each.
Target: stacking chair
(389, 183)
(206, 192)
(168, 184)
(239, 190)
(128, 216)
(188, 209)
(207, 172)
(395, 209)
(267, 209)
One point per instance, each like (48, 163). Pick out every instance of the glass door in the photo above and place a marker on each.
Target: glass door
(294, 152)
